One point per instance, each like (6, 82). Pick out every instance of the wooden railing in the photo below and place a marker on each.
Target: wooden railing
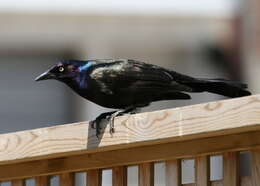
(199, 131)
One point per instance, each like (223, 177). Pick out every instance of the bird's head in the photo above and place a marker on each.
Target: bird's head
(62, 71)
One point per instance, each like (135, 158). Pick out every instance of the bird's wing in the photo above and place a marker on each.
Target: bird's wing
(133, 75)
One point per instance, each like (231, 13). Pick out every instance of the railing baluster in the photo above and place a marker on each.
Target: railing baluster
(19, 182)
(94, 178)
(231, 169)
(119, 176)
(173, 172)
(67, 179)
(255, 164)
(42, 181)
(146, 174)
(202, 171)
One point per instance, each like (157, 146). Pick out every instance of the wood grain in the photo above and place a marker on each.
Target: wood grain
(246, 181)
(202, 171)
(67, 179)
(231, 169)
(42, 181)
(132, 156)
(146, 174)
(94, 177)
(173, 172)
(217, 183)
(255, 164)
(119, 176)
(193, 122)
(18, 182)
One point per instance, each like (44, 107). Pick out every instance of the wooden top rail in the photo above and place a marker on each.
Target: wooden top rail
(228, 125)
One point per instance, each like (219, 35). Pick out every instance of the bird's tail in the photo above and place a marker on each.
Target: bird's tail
(221, 86)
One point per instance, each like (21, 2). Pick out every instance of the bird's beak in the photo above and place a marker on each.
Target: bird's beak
(44, 76)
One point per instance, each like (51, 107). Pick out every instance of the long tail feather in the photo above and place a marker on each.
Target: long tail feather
(221, 86)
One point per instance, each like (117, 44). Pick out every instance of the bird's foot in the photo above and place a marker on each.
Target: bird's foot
(112, 120)
(130, 110)
(92, 124)
(110, 117)
(96, 124)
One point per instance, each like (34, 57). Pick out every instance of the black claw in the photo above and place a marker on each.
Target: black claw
(112, 130)
(92, 124)
(110, 116)
(98, 128)
(95, 124)
(97, 132)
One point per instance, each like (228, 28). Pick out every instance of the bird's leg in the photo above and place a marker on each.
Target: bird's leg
(111, 117)
(119, 113)
(98, 120)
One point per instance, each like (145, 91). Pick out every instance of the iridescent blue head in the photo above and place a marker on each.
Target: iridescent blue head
(66, 70)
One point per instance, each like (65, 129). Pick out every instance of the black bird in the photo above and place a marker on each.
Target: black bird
(128, 84)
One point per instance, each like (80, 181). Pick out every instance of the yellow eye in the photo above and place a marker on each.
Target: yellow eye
(61, 69)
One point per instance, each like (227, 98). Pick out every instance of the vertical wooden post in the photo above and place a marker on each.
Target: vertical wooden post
(173, 172)
(67, 179)
(18, 182)
(255, 164)
(42, 181)
(146, 174)
(94, 177)
(231, 169)
(119, 176)
(202, 171)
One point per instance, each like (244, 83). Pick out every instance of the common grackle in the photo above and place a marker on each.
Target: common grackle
(128, 84)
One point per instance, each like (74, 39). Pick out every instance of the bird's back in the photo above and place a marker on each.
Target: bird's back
(122, 83)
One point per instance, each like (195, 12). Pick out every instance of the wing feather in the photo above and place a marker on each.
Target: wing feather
(131, 74)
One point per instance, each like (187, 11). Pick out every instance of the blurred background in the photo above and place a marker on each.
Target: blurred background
(203, 38)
